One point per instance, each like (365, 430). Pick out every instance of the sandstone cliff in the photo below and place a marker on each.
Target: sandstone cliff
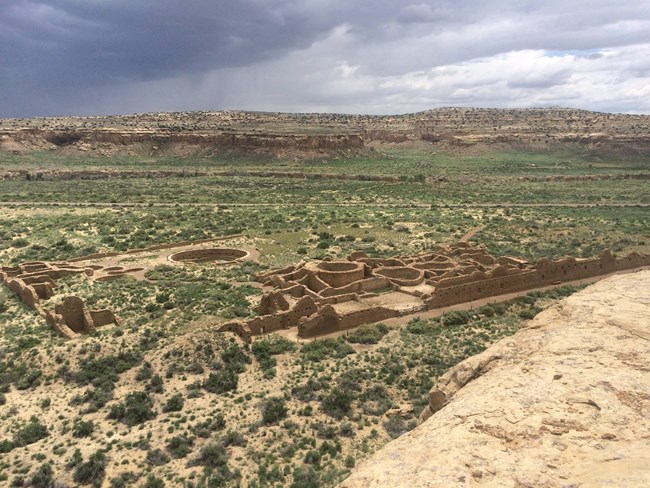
(564, 402)
(454, 130)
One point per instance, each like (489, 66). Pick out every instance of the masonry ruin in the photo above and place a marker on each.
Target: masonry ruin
(220, 255)
(324, 297)
(35, 282)
(317, 297)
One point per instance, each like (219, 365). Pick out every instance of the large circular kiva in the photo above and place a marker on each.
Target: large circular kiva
(221, 255)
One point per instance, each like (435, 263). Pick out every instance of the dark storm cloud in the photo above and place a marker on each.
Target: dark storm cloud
(71, 56)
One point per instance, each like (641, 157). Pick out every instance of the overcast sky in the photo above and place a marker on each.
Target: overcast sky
(60, 57)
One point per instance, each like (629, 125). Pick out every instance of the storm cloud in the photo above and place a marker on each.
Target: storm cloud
(62, 57)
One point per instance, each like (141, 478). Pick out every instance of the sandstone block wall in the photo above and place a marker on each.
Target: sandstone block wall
(454, 274)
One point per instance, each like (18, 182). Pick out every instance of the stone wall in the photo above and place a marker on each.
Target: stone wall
(454, 274)
(217, 254)
(35, 281)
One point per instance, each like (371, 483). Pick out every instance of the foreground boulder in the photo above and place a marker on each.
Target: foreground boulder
(564, 402)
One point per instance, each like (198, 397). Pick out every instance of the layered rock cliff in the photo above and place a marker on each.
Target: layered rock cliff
(564, 402)
(449, 129)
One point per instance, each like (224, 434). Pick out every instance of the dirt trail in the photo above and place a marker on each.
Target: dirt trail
(471, 233)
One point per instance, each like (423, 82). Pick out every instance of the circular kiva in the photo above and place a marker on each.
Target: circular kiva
(340, 273)
(401, 275)
(220, 255)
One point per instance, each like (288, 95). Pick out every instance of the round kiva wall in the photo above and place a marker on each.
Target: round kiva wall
(402, 275)
(340, 273)
(220, 255)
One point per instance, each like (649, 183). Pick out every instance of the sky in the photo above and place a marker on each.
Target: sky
(85, 57)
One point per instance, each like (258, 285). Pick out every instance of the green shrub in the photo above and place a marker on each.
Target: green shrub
(28, 380)
(265, 349)
(180, 446)
(136, 409)
(43, 477)
(144, 373)
(221, 381)
(215, 459)
(338, 403)
(457, 317)
(156, 457)
(305, 478)
(273, 410)
(529, 313)
(83, 428)
(92, 471)
(204, 429)
(6, 446)
(155, 384)
(312, 457)
(322, 349)
(153, 482)
(418, 326)
(29, 433)
(375, 400)
(368, 334)
(174, 403)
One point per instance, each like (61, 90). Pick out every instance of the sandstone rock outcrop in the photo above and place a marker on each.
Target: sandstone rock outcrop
(564, 402)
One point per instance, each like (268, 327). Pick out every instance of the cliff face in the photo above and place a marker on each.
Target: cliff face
(448, 129)
(564, 402)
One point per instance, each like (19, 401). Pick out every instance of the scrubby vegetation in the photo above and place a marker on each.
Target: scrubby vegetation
(163, 400)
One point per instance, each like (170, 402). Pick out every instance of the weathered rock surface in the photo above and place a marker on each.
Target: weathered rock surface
(564, 402)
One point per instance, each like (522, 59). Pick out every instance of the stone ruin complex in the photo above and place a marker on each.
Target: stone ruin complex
(323, 297)
(35, 281)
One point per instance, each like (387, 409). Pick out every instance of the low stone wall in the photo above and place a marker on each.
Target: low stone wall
(25, 293)
(225, 255)
(327, 320)
(337, 273)
(484, 288)
(156, 247)
(281, 320)
(401, 275)
(103, 317)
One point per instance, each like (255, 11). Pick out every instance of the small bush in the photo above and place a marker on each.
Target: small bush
(174, 403)
(395, 426)
(156, 457)
(221, 381)
(529, 313)
(234, 438)
(265, 349)
(338, 403)
(153, 482)
(43, 477)
(320, 350)
(180, 446)
(83, 428)
(368, 334)
(305, 478)
(136, 409)
(234, 358)
(312, 457)
(29, 433)
(273, 410)
(92, 471)
(418, 326)
(204, 429)
(457, 317)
